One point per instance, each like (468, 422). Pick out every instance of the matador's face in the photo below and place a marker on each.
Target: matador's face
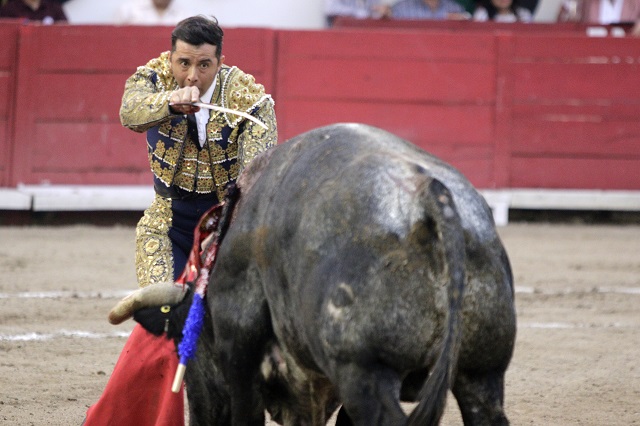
(195, 65)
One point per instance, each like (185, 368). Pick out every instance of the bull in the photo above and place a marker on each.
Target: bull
(358, 270)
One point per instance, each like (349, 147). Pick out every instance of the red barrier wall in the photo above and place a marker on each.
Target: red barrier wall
(9, 34)
(71, 79)
(510, 109)
(438, 92)
(575, 112)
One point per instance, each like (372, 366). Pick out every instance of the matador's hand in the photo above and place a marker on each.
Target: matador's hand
(181, 99)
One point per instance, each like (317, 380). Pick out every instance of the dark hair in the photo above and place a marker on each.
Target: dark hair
(492, 11)
(198, 30)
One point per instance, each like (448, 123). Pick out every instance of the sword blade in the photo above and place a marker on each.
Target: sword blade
(223, 109)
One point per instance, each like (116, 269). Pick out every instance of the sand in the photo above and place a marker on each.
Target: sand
(575, 362)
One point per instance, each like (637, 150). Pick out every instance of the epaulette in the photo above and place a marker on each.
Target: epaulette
(241, 93)
(161, 67)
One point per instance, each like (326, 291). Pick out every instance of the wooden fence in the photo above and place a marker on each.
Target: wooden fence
(513, 107)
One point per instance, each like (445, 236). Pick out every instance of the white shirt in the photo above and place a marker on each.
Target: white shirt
(202, 116)
(143, 12)
(610, 11)
(354, 8)
(523, 15)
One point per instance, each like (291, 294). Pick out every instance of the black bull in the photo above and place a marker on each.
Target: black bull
(360, 270)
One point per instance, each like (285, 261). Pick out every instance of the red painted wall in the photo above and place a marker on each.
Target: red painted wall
(575, 112)
(509, 108)
(70, 80)
(438, 92)
(9, 34)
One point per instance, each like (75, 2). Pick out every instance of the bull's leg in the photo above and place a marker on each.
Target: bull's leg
(241, 326)
(240, 369)
(370, 396)
(208, 403)
(480, 396)
(241, 335)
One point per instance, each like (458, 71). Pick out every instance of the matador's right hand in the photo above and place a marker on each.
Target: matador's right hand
(181, 99)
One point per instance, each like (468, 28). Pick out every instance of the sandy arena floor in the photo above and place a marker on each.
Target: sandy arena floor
(576, 360)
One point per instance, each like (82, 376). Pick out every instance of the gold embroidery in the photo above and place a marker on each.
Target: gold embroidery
(234, 170)
(205, 185)
(165, 129)
(255, 139)
(204, 167)
(160, 151)
(220, 174)
(215, 125)
(218, 154)
(154, 258)
(174, 158)
(240, 92)
(145, 102)
(179, 131)
(172, 155)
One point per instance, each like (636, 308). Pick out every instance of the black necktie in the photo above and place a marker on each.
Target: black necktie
(192, 128)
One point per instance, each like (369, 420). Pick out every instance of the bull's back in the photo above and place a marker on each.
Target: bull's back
(341, 235)
(332, 250)
(342, 179)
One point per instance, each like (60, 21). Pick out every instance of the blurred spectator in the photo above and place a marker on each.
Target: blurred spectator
(468, 5)
(47, 11)
(361, 9)
(428, 9)
(603, 12)
(151, 12)
(530, 4)
(501, 11)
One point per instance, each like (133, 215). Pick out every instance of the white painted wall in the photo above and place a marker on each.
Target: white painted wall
(288, 14)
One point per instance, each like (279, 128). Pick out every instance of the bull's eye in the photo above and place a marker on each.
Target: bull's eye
(165, 309)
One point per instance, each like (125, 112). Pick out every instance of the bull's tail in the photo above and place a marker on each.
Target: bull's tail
(433, 395)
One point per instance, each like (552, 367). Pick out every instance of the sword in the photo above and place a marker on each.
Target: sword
(222, 109)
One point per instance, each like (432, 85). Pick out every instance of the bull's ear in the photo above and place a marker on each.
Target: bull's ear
(157, 295)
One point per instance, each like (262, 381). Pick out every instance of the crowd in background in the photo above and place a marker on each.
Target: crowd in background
(602, 12)
(170, 12)
(135, 12)
(45, 11)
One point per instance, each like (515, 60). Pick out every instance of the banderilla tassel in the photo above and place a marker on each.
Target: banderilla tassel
(189, 343)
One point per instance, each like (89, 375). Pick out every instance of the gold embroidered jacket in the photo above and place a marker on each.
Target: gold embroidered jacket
(176, 158)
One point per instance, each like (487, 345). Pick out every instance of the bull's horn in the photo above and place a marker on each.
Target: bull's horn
(165, 293)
